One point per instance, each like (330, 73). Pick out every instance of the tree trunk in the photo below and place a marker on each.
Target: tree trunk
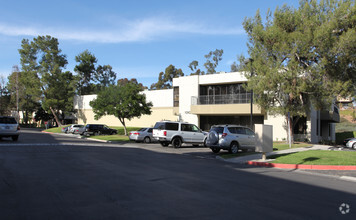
(122, 120)
(290, 134)
(55, 117)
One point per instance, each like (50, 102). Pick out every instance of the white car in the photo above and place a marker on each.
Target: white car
(177, 133)
(351, 143)
(9, 128)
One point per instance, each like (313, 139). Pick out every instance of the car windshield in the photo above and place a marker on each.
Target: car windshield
(8, 121)
(142, 129)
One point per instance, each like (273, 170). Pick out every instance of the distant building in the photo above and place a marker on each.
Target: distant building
(216, 99)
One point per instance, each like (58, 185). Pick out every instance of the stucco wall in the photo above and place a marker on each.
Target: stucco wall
(279, 127)
(158, 114)
(162, 101)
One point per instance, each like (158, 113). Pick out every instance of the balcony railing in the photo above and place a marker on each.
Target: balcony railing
(221, 99)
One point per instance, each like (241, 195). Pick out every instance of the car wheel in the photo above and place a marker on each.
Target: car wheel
(215, 150)
(147, 140)
(96, 133)
(354, 146)
(177, 142)
(164, 144)
(15, 138)
(234, 148)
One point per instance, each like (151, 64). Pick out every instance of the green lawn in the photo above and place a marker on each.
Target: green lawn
(111, 137)
(277, 146)
(284, 146)
(317, 157)
(55, 130)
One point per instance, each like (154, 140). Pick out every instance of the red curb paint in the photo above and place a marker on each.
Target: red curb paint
(301, 166)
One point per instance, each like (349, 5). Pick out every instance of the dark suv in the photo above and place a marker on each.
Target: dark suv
(98, 129)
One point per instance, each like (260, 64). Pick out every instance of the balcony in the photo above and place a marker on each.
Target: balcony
(332, 116)
(231, 104)
(241, 98)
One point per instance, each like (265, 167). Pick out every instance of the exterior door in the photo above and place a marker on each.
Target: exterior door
(198, 136)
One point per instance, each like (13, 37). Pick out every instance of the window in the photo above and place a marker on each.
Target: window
(172, 126)
(218, 130)
(240, 130)
(9, 120)
(186, 127)
(249, 132)
(195, 128)
(175, 96)
(232, 130)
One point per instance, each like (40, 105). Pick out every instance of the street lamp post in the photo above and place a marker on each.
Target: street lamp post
(250, 61)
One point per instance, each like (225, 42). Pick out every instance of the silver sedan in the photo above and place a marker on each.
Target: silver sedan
(142, 135)
(351, 143)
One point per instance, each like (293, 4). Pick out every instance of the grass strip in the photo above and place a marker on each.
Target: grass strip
(284, 146)
(316, 157)
(111, 138)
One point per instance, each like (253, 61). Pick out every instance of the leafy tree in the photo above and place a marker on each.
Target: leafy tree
(123, 82)
(28, 97)
(42, 115)
(212, 60)
(42, 64)
(60, 93)
(165, 79)
(105, 76)
(193, 66)
(4, 98)
(86, 71)
(300, 55)
(124, 101)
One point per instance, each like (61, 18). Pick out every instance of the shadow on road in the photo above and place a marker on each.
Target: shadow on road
(81, 182)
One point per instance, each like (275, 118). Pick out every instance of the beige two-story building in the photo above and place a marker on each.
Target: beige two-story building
(216, 99)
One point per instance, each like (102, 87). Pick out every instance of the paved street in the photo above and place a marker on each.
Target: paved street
(47, 176)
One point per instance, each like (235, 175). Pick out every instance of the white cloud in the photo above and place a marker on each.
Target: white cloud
(132, 31)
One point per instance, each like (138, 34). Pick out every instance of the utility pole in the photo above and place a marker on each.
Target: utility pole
(15, 69)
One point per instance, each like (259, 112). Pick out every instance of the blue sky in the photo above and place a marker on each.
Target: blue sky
(138, 39)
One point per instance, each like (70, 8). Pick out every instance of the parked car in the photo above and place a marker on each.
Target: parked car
(231, 138)
(177, 133)
(65, 129)
(351, 143)
(98, 129)
(9, 128)
(346, 140)
(79, 130)
(73, 127)
(142, 135)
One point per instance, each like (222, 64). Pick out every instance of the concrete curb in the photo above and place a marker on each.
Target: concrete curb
(301, 166)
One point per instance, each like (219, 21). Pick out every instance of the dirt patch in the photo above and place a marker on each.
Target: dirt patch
(349, 118)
